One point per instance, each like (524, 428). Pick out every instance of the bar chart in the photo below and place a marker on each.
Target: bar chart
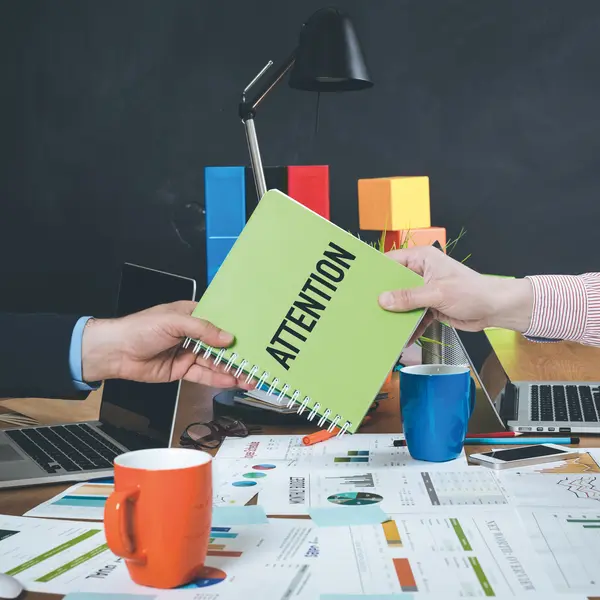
(357, 482)
(587, 523)
(392, 535)
(405, 575)
(354, 481)
(431, 534)
(569, 544)
(81, 501)
(217, 543)
(353, 456)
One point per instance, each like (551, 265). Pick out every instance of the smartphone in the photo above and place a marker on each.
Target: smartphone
(523, 456)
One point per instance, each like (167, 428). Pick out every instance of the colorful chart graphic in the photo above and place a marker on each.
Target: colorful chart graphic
(355, 498)
(217, 543)
(570, 539)
(263, 467)
(254, 475)
(582, 487)
(584, 463)
(353, 456)
(6, 533)
(110, 480)
(405, 575)
(95, 489)
(392, 535)
(587, 523)
(355, 481)
(90, 495)
(209, 576)
(460, 534)
(243, 483)
(481, 576)
(85, 501)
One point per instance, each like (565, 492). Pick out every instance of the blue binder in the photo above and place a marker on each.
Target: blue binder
(217, 249)
(225, 206)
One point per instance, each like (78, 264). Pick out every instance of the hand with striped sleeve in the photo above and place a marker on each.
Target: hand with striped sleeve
(542, 307)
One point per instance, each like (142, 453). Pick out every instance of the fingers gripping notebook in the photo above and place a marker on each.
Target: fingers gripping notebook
(300, 296)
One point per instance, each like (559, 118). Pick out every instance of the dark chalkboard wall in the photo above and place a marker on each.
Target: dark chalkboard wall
(110, 110)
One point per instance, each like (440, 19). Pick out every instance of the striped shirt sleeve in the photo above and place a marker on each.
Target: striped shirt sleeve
(566, 307)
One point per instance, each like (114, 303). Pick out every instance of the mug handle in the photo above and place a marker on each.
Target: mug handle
(117, 532)
(472, 397)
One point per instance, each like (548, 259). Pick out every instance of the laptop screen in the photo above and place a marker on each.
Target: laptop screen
(486, 364)
(141, 414)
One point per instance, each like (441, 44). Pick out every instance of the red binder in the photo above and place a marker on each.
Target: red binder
(309, 185)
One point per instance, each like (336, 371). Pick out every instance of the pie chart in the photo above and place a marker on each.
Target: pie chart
(243, 483)
(263, 467)
(253, 475)
(354, 498)
(208, 576)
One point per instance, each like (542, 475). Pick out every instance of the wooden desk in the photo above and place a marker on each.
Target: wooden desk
(522, 360)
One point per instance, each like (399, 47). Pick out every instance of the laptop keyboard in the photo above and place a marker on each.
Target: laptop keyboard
(70, 447)
(565, 403)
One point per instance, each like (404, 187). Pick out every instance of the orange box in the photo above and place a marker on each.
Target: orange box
(394, 203)
(394, 240)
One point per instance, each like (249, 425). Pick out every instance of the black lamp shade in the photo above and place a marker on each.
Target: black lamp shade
(328, 57)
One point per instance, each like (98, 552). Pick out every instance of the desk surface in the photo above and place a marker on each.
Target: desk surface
(522, 360)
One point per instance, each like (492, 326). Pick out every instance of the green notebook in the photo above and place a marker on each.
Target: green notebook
(300, 296)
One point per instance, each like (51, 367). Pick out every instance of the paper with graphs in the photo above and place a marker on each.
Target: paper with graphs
(568, 544)
(448, 553)
(349, 452)
(578, 490)
(276, 560)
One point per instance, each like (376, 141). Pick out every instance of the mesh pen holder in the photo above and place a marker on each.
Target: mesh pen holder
(446, 348)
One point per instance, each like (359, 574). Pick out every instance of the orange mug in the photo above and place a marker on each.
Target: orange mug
(158, 518)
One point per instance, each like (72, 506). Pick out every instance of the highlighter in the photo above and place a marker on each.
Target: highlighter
(319, 436)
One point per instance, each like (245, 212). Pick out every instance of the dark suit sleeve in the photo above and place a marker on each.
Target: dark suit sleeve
(34, 356)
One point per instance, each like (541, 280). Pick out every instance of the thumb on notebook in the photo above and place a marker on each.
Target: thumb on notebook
(177, 319)
(425, 296)
(204, 331)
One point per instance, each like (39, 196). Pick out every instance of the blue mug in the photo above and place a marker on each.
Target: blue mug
(437, 402)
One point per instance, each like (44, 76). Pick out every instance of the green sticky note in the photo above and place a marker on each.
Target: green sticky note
(223, 516)
(347, 515)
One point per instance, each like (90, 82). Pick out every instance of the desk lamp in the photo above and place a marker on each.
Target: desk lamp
(328, 58)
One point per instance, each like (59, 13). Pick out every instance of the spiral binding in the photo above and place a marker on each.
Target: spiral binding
(218, 356)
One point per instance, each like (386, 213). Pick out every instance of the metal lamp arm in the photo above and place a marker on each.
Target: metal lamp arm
(247, 111)
(247, 107)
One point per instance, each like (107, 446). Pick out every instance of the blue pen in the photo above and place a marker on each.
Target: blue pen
(521, 441)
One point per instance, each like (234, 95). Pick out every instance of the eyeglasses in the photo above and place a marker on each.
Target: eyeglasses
(211, 435)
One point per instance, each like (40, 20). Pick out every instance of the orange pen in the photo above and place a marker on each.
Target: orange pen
(319, 436)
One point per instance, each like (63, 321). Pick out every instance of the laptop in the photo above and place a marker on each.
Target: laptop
(531, 406)
(133, 416)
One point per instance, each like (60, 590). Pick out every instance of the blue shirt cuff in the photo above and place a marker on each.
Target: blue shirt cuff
(75, 357)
